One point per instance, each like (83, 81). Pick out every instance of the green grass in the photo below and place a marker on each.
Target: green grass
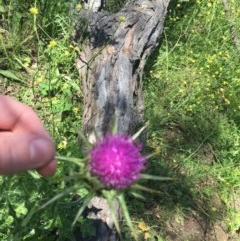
(192, 95)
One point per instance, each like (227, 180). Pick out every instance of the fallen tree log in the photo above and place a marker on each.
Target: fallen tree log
(113, 50)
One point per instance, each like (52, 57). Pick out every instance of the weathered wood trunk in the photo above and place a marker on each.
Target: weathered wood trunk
(114, 49)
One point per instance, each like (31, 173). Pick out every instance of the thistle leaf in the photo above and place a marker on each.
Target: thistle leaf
(146, 189)
(151, 154)
(138, 133)
(58, 196)
(88, 144)
(126, 213)
(28, 217)
(80, 211)
(114, 123)
(156, 178)
(110, 200)
(35, 175)
(137, 195)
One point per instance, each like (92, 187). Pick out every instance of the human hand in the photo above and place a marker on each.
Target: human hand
(24, 142)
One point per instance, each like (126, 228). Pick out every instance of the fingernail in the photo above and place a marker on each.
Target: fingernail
(37, 149)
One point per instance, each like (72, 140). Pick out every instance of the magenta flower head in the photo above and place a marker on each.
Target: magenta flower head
(116, 160)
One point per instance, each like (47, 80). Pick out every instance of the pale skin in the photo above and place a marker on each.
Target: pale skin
(24, 142)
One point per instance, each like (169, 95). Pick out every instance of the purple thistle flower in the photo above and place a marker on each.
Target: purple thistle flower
(116, 160)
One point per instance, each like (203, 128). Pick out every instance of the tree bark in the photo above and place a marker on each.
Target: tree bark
(113, 50)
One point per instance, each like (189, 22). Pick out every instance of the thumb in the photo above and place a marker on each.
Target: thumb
(19, 153)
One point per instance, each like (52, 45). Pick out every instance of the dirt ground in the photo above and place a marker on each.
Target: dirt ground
(193, 229)
(192, 226)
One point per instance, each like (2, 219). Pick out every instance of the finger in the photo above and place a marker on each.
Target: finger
(19, 118)
(19, 153)
(48, 169)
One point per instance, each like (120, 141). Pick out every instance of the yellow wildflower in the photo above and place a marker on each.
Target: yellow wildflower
(122, 18)
(227, 101)
(143, 226)
(52, 43)
(214, 209)
(146, 235)
(33, 10)
(39, 80)
(62, 144)
(79, 6)
(75, 110)
(66, 52)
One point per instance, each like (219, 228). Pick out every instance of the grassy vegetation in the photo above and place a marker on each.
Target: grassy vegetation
(192, 95)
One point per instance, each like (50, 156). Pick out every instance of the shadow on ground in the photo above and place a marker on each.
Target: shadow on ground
(189, 207)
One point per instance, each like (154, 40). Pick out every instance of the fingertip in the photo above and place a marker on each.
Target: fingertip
(49, 169)
(42, 151)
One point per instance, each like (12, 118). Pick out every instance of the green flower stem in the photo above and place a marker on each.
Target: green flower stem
(77, 161)
(34, 23)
